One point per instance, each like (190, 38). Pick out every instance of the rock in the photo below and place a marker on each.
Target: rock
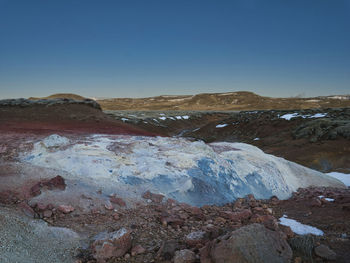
(237, 216)
(315, 202)
(109, 206)
(56, 183)
(47, 213)
(27, 210)
(167, 249)
(66, 209)
(184, 256)
(325, 252)
(136, 250)
(287, 230)
(196, 239)
(346, 207)
(252, 243)
(157, 198)
(110, 245)
(117, 200)
(116, 216)
(35, 190)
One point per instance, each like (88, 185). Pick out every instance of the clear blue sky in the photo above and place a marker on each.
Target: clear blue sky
(142, 48)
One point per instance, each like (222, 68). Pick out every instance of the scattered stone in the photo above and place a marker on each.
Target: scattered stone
(157, 198)
(196, 239)
(27, 210)
(66, 209)
(109, 206)
(184, 256)
(137, 250)
(117, 200)
(325, 252)
(110, 245)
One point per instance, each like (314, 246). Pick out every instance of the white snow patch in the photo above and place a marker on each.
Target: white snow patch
(221, 125)
(124, 119)
(300, 228)
(290, 116)
(186, 117)
(345, 178)
(162, 118)
(327, 199)
(256, 139)
(178, 117)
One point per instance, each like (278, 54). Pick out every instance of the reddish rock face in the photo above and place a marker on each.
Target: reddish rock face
(111, 245)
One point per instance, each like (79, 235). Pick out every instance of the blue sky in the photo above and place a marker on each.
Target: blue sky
(144, 48)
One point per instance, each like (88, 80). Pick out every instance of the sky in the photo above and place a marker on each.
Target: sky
(130, 48)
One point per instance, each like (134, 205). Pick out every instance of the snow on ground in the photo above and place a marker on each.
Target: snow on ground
(221, 125)
(300, 228)
(290, 116)
(124, 119)
(256, 139)
(162, 118)
(188, 171)
(345, 178)
(327, 199)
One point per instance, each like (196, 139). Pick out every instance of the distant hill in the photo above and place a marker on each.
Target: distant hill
(61, 96)
(240, 100)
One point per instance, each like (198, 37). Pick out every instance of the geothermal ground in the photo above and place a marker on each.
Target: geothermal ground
(82, 185)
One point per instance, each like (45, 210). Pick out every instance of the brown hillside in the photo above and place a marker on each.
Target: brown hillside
(240, 100)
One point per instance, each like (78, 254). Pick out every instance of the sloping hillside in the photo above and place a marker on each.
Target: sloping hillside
(241, 100)
(61, 96)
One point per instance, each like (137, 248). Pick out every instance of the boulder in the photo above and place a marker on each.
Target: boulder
(184, 256)
(111, 245)
(325, 252)
(252, 243)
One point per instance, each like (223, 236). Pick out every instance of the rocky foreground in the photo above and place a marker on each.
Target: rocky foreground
(163, 230)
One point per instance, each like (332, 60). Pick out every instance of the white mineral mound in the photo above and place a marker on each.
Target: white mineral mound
(192, 172)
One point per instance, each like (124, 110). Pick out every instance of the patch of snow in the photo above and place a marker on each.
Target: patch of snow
(344, 178)
(318, 115)
(162, 114)
(221, 125)
(186, 117)
(124, 119)
(327, 199)
(300, 228)
(289, 116)
(162, 118)
(197, 129)
(178, 117)
(256, 139)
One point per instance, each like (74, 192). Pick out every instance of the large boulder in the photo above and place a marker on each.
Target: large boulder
(253, 243)
(111, 245)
